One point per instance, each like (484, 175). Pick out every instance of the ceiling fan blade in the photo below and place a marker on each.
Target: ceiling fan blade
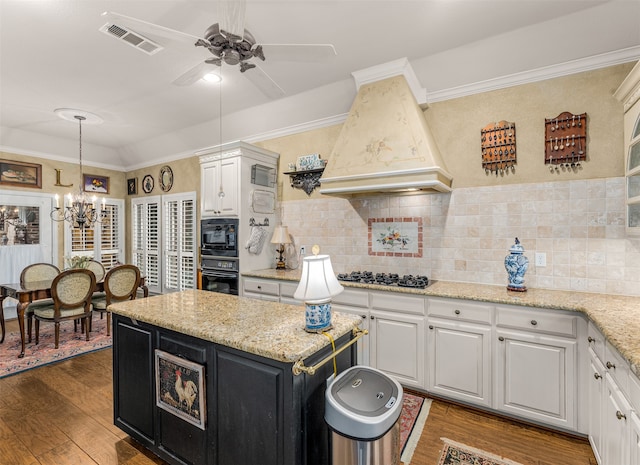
(299, 52)
(145, 27)
(263, 82)
(192, 75)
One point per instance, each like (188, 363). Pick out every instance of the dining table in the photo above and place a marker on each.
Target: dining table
(36, 290)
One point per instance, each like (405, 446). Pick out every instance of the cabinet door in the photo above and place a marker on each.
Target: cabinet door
(219, 187)
(615, 440)
(228, 187)
(634, 437)
(397, 346)
(134, 380)
(362, 346)
(250, 405)
(535, 377)
(459, 361)
(595, 400)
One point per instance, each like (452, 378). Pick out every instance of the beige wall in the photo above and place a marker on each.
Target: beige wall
(70, 174)
(456, 126)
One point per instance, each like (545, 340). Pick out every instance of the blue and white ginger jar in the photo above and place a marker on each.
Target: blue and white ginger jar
(516, 265)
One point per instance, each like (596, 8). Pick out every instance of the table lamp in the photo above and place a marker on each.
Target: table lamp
(318, 284)
(281, 237)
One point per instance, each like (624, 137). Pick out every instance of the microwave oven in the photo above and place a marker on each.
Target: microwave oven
(219, 237)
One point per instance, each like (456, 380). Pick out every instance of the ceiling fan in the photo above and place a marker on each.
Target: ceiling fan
(228, 41)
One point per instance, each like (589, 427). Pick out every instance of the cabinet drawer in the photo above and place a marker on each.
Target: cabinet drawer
(261, 287)
(352, 298)
(460, 310)
(596, 340)
(550, 322)
(395, 302)
(617, 367)
(287, 289)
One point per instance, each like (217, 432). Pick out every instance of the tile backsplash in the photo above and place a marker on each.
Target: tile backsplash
(579, 225)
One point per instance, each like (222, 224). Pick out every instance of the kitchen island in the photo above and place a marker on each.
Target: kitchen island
(207, 378)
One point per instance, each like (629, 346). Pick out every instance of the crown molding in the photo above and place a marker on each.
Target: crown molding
(49, 156)
(539, 74)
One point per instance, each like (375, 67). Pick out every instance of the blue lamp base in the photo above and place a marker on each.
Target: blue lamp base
(317, 317)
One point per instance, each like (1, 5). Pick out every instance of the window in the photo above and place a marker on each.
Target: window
(104, 242)
(166, 223)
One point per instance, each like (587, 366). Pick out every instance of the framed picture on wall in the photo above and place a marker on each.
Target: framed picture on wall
(132, 186)
(17, 173)
(180, 388)
(96, 184)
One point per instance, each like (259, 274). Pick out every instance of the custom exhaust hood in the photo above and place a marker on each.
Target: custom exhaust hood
(385, 145)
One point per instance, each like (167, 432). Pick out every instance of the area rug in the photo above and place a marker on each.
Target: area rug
(415, 410)
(71, 344)
(455, 453)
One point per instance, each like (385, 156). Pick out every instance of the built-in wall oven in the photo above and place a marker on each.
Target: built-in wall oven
(219, 251)
(220, 274)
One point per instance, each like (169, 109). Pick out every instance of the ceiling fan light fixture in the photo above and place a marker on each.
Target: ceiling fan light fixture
(212, 78)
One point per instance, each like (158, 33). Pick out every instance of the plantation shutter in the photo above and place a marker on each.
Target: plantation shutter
(104, 242)
(145, 216)
(179, 242)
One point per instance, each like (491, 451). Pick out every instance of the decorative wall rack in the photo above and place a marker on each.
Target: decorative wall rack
(498, 142)
(565, 141)
(307, 180)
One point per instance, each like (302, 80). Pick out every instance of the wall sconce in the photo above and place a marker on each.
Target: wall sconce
(281, 237)
(318, 284)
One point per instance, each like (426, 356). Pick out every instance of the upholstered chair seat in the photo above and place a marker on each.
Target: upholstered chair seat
(120, 284)
(71, 291)
(34, 273)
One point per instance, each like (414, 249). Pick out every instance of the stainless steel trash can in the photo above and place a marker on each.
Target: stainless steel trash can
(363, 406)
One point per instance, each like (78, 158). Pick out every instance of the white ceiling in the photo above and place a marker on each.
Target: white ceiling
(52, 55)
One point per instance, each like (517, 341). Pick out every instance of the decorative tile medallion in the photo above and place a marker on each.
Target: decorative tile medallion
(395, 237)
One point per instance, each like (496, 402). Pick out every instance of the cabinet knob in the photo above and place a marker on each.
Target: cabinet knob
(500, 339)
(590, 339)
(457, 312)
(597, 375)
(620, 415)
(259, 287)
(534, 322)
(364, 317)
(611, 365)
(372, 317)
(430, 326)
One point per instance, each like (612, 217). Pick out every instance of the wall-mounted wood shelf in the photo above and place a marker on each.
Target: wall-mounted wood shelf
(307, 180)
(565, 141)
(498, 142)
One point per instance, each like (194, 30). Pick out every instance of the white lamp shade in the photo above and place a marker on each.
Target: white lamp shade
(281, 235)
(318, 282)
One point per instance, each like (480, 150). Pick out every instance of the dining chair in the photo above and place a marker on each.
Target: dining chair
(71, 292)
(97, 268)
(120, 284)
(33, 273)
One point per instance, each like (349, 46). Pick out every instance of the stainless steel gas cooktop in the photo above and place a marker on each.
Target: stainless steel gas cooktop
(385, 279)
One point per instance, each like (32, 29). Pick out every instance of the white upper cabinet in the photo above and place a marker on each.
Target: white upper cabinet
(220, 186)
(629, 94)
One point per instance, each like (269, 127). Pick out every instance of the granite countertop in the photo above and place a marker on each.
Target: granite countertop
(617, 316)
(260, 327)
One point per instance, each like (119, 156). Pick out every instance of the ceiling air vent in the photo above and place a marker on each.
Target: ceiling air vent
(132, 38)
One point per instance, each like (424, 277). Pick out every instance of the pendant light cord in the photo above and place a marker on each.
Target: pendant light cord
(80, 120)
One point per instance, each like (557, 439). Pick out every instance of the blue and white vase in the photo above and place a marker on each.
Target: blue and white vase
(516, 265)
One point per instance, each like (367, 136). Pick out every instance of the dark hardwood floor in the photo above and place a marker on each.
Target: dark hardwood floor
(62, 414)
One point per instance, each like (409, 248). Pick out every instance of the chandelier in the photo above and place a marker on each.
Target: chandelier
(80, 210)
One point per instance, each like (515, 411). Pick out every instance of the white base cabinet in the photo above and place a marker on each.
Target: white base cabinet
(616, 412)
(397, 346)
(459, 350)
(536, 378)
(596, 388)
(634, 439)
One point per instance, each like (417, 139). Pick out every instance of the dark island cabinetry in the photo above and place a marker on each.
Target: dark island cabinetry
(256, 410)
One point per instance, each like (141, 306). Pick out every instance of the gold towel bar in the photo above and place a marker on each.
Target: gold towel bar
(299, 367)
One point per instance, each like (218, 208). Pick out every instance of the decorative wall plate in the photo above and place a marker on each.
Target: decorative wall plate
(147, 184)
(166, 178)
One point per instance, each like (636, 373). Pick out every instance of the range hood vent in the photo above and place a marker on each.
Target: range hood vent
(385, 145)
